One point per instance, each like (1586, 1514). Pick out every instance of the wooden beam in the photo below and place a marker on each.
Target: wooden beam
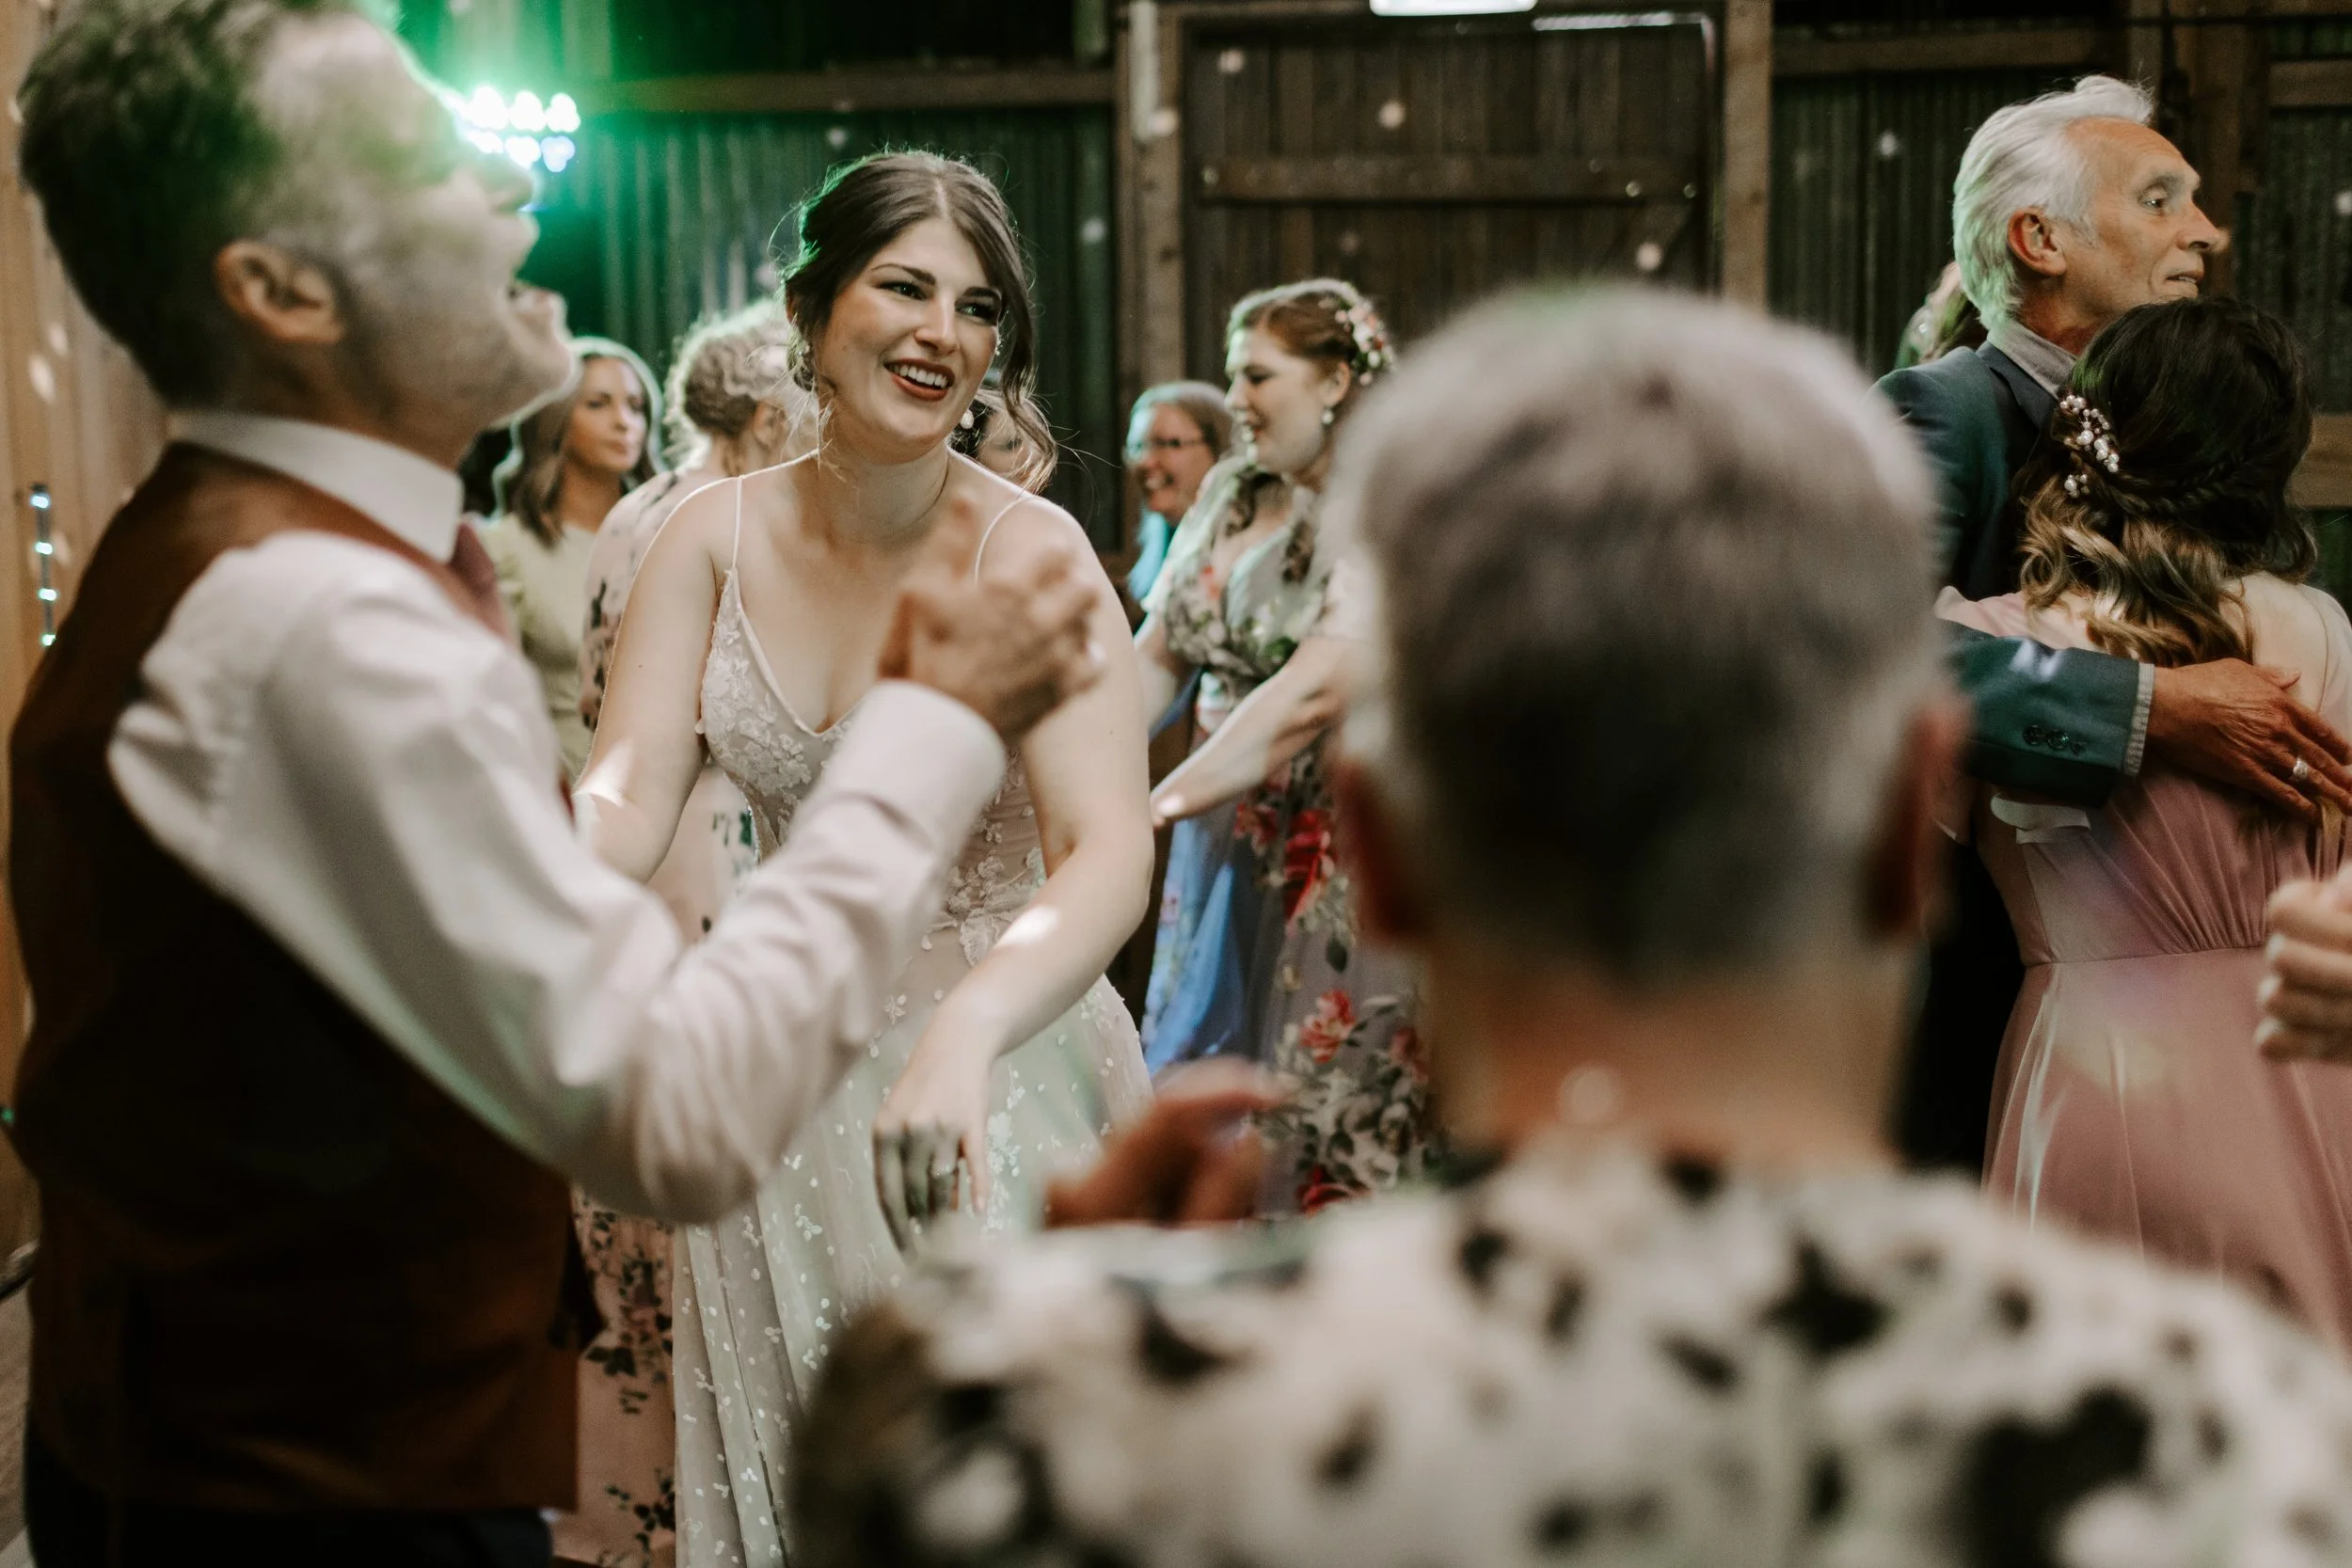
(2310, 84)
(2325, 479)
(2052, 48)
(844, 92)
(1743, 221)
(1157, 305)
(1424, 177)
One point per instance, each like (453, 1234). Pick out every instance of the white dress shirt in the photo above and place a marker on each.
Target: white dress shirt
(329, 743)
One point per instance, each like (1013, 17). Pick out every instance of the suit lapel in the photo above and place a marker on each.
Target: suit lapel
(2031, 404)
(2025, 409)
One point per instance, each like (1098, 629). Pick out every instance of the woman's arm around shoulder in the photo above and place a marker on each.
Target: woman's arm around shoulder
(648, 751)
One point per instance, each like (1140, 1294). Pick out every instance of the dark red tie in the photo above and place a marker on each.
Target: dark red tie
(473, 567)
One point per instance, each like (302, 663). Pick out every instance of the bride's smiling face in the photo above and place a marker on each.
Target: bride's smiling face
(907, 342)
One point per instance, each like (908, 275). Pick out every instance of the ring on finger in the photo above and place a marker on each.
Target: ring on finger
(2302, 770)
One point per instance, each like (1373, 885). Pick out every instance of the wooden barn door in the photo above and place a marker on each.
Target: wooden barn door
(1435, 162)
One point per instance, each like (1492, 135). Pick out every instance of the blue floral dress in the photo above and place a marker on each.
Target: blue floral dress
(1257, 955)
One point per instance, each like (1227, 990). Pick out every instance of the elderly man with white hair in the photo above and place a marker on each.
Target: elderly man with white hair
(1645, 780)
(2069, 211)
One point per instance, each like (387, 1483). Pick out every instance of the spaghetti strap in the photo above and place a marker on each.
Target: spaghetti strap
(989, 530)
(734, 551)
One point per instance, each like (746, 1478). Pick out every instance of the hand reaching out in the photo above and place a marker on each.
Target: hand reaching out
(1189, 1160)
(1010, 646)
(2238, 724)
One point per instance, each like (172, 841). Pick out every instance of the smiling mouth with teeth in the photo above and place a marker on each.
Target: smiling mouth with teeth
(926, 376)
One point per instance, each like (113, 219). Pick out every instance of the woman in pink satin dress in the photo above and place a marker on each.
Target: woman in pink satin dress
(2130, 1101)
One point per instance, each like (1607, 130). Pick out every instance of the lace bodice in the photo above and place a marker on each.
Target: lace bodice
(775, 759)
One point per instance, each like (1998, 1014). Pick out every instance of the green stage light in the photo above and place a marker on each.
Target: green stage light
(487, 108)
(534, 131)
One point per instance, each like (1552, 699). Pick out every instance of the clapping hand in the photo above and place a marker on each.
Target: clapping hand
(1013, 646)
(2306, 994)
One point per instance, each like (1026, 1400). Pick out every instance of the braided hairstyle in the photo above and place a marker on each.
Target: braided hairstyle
(1328, 321)
(2165, 478)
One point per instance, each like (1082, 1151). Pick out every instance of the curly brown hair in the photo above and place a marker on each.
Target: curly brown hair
(2165, 484)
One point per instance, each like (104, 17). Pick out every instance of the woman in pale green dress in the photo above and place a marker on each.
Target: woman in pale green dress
(575, 456)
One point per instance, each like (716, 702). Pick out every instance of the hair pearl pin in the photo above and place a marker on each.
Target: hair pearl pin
(2092, 441)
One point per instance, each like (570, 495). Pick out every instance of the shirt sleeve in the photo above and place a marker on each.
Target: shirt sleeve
(380, 796)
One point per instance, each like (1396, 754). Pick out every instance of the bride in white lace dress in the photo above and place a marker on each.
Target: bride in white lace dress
(753, 631)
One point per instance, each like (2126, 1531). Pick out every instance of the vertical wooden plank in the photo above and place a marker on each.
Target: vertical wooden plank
(2144, 41)
(1158, 133)
(1294, 131)
(1747, 149)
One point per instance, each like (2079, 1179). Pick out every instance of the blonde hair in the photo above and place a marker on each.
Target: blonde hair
(726, 368)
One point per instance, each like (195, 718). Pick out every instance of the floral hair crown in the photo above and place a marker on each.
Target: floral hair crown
(2092, 440)
(1373, 354)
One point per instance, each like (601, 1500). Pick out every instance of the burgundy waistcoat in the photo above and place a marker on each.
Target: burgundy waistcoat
(279, 1269)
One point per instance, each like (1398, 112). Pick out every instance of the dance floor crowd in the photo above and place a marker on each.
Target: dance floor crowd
(1744, 967)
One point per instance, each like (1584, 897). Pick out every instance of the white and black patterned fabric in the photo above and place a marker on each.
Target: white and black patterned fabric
(1585, 1356)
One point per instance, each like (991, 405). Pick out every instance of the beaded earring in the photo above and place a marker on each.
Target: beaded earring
(1329, 415)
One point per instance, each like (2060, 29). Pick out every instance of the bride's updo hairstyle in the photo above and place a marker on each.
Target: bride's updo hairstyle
(2164, 479)
(867, 204)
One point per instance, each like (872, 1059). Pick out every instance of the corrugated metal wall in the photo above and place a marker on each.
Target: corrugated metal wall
(689, 214)
(1862, 194)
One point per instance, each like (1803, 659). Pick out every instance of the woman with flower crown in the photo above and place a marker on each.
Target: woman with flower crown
(1258, 956)
(2130, 1099)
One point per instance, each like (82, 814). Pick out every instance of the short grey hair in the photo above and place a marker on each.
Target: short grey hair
(148, 141)
(1652, 582)
(2024, 156)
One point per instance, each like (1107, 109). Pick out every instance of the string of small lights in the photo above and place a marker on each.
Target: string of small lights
(44, 551)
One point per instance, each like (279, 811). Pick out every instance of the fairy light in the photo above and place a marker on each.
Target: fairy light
(44, 551)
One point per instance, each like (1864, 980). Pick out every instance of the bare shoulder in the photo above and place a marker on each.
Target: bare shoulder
(1021, 531)
(700, 529)
(2294, 626)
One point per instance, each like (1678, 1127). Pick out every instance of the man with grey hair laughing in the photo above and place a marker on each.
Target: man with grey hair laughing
(1645, 777)
(2069, 210)
(330, 1001)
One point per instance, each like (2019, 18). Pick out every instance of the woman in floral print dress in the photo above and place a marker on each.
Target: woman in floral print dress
(1258, 956)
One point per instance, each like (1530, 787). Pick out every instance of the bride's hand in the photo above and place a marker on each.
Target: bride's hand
(930, 1138)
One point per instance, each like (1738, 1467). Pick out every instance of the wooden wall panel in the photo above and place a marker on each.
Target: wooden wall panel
(77, 422)
(1433, 164)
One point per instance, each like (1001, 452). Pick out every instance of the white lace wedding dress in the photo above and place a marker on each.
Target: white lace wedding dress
(760, 1296)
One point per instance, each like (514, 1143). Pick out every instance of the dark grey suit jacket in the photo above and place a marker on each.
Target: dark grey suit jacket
(2054, 722)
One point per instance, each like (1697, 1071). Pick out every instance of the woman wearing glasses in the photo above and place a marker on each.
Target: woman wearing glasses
(1174, 438)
